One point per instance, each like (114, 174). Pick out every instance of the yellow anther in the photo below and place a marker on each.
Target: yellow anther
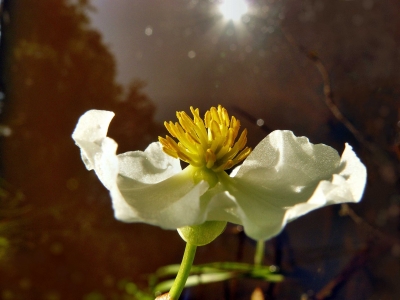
(170, 127)
(243, 154)
(192, 137)
(173, 145)
(215, 114)
(209, 143)
(171, 152)
(215, 131)
(210, 158)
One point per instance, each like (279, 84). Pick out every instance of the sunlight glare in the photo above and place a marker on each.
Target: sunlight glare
(233, 9)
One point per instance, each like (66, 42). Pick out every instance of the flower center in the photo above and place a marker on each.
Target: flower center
(209, 143)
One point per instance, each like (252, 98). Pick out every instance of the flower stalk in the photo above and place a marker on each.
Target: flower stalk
(183, 273)
(259, 255)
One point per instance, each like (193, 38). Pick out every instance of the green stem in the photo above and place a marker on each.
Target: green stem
(183, 273)
(259, 255)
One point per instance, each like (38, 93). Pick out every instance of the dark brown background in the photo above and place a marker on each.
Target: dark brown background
(58, 237)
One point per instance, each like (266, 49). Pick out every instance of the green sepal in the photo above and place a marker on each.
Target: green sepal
(202, 234)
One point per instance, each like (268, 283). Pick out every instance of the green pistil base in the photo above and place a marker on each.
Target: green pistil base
(205, 174)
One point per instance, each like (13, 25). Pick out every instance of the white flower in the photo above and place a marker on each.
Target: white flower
(283, 178)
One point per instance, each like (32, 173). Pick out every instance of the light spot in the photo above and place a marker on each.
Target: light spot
(148, 31)
(5, 130)
(239, 228)
(260, 122)
(192, 54)
(297, 188)
(273, 268)
(233, 9)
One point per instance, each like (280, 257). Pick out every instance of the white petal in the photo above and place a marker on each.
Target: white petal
(106, 163)
(144, 186)
(354, 172)
(243, 203)
(150, 166)
(89, 132)
(289, 168)
(172, 203)
(285, 173)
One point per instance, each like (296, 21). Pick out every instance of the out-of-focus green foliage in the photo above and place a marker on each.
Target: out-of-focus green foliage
(213, 272)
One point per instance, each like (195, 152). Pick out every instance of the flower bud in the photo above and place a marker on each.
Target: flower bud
(202, 234)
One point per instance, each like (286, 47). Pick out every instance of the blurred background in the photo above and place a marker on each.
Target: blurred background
(328, 70)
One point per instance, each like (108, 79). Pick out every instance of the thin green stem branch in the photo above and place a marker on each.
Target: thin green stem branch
(183, 272)
(259, 255)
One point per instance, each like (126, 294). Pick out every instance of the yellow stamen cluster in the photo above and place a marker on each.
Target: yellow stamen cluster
(209, 143)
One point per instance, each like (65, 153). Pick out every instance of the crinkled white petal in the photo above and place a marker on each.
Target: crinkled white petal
(89, 133)
(171, 203)
(285, 177)
(346, 185)
(289, 167)
(152, 188)
(150, 166)
(354, 171)
(144, 186)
